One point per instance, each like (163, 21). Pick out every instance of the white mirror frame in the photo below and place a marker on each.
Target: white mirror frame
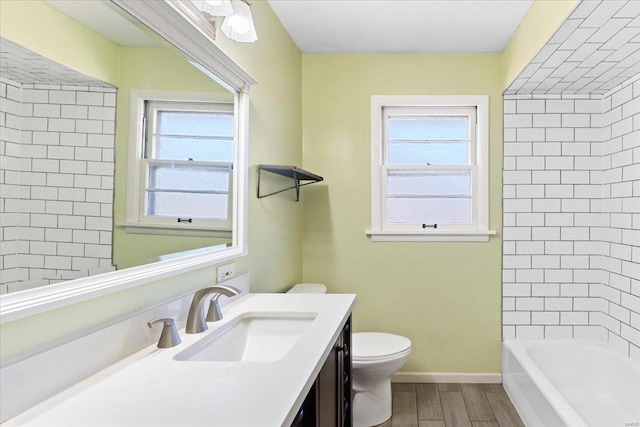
(184, 27)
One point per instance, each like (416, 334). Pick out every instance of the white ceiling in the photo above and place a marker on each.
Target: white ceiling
(353, 26)
(401, 26)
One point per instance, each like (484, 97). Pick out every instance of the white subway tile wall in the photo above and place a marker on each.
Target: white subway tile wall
(10, 191)
(621, 211)
(571, 237)
(56, 179)
(551, 271)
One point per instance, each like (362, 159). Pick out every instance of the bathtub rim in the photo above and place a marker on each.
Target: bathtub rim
(518, 348)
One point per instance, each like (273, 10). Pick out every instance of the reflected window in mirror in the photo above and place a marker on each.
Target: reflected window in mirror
(182, 165)
(188, 163)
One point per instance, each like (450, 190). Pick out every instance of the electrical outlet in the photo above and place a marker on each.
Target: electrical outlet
(225, 272)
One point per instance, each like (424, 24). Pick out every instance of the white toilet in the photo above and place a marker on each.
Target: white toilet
(376, 356)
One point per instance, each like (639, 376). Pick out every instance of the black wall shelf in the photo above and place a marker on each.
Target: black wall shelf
(298, 175)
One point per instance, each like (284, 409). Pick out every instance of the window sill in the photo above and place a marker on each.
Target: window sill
(430, 236)
(171, 230)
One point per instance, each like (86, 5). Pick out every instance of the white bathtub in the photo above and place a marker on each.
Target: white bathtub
(571, 383)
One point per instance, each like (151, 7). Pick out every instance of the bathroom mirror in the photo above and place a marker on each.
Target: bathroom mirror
(179, 62)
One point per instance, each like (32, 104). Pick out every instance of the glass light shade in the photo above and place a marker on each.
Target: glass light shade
(239, 25)
(214, 7)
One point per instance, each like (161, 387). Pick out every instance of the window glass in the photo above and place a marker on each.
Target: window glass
(428, 184)
(429, 197)
(428, 128)
(429, 153)
(429, 211)
(187, 205)
(428, 140)
(188, 178)
(195, 123)
(202, 149)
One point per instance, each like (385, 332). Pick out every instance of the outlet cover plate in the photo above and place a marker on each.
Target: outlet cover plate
(225, 272)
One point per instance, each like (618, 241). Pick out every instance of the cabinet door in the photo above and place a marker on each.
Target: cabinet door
(328, 403)
(328, 410)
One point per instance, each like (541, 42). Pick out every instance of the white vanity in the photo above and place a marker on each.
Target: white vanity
(254, 367)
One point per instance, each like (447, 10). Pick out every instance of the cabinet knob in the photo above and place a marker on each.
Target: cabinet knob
(344, 349)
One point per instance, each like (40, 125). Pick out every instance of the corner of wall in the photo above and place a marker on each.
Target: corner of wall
(540, 23)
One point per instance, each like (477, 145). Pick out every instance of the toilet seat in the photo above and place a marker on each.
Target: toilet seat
(378, 346)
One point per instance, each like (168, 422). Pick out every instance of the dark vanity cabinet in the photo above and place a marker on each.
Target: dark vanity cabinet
(328, 403)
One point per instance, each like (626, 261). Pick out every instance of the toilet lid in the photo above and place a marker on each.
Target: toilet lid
(370, 345)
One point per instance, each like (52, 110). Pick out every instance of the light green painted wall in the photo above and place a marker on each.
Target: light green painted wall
(445, 297)
(541, 22)
(157, 69)
(41, 28)
(275, 223)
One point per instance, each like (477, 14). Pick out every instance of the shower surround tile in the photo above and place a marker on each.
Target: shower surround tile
(53, 137)
(571, 185)
(552, 193)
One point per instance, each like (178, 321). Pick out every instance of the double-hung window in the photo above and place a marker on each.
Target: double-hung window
(184, 165)
(429, 168)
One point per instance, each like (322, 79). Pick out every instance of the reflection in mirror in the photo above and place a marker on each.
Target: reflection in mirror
(58, 140)
(67, 172)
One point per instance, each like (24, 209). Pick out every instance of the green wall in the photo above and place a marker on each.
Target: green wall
(275, 223)
(445, 297)
(156, 69)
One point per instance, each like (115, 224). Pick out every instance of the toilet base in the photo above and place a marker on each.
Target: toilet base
(373, 406)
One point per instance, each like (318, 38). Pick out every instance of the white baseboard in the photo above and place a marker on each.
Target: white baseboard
(447, 377)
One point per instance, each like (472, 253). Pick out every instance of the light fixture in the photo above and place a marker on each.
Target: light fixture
(214, 7)
(239, 25)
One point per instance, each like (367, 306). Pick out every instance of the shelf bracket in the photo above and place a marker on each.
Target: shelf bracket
(292, 172)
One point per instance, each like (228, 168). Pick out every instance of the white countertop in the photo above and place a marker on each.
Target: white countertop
(150, 388)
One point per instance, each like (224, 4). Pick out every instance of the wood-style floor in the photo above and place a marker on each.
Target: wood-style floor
(452, 405)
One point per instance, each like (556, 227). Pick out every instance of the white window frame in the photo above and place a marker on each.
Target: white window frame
(478, 230)
(136, 219)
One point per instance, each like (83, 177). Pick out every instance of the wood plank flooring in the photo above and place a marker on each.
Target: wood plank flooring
(452, 405)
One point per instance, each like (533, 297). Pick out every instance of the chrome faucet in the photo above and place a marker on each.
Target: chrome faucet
(196, 320)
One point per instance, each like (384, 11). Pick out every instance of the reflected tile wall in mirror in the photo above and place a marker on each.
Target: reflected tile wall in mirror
(57, 149)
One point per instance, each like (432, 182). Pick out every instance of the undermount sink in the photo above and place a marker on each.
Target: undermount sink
(250, 337)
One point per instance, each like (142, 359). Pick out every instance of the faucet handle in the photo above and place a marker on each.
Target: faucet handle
(214, 314)
(169, 336)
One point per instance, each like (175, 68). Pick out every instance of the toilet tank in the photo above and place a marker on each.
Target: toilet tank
(308, 288)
